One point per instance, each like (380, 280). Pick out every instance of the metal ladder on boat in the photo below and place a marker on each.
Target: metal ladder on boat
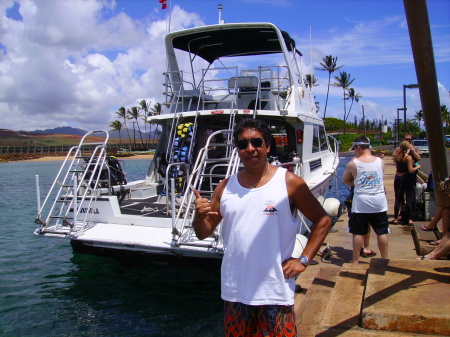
(204, 179)
(75, 188)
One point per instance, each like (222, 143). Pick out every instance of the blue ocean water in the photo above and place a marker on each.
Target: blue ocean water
(339, 190)
(48, 290)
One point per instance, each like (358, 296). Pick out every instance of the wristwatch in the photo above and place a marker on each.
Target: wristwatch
(304, 260)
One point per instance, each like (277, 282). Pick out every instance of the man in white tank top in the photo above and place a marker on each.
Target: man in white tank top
(258, 206)
(369, 206)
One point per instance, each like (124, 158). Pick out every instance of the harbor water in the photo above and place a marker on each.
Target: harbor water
(48, 290)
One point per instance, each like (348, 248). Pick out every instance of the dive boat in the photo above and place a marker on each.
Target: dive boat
(216, 75)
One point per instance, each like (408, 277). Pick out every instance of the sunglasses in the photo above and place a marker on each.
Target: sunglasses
(243, 143)
(408, 138)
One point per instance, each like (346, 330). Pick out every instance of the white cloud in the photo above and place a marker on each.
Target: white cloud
(76, 62)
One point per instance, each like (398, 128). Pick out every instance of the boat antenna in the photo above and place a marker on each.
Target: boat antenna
(170, 15)
(312, 69)
(311, 52)
(220, 13)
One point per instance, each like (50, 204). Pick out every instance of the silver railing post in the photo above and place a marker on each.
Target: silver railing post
(38, 194)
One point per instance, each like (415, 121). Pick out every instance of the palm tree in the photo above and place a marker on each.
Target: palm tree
(343, 81)
(419, 116)
(144, 106)
(330, 65)
(117, 126)
(135, 114)
(310, 81)
(354, 97)
(123, 113)
(156, 110)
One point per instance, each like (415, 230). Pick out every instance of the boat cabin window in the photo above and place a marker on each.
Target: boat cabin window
(283, 142)
(319, 139)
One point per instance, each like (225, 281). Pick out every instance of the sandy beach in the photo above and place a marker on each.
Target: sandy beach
(61, 158)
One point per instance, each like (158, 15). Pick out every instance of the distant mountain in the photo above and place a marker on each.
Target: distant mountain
(63, 130)
(67, 130)
(152, 134)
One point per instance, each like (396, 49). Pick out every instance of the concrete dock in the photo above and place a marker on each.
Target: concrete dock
(399, 296)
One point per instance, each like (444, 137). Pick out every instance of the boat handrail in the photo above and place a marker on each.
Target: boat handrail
(260, 87)
(166, 183)
(81, 173)
(335, 151)
(196, 179)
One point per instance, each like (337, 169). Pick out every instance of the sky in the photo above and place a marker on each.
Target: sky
(75, 62)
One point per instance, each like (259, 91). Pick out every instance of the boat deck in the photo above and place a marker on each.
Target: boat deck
(144, 207)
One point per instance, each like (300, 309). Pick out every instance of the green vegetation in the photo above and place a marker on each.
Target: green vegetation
(136, 113)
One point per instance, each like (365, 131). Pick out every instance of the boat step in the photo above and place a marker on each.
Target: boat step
(211, 175)
(216, 160)
(44, 231)
(91, 144)
(198, 244)
(59, 217)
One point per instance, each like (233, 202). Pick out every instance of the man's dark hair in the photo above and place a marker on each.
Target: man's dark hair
(363, 139)
(250, 123)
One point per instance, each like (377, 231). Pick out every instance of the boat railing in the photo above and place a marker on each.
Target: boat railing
(275, 86)
(265, 88)
(170, 189)
(75, 184)
(206, 175)
(335, 150)
(223, 96)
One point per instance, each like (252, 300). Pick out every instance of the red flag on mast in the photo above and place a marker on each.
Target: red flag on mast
(163, 4)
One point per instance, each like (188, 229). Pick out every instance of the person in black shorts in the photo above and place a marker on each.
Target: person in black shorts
(366, 173)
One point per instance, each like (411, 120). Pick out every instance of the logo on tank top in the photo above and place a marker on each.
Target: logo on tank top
(270, 208)
(370, 179)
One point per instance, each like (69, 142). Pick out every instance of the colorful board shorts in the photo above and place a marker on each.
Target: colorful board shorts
(259, 320)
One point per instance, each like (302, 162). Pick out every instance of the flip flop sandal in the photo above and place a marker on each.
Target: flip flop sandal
(370, 254)
(426, 229)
